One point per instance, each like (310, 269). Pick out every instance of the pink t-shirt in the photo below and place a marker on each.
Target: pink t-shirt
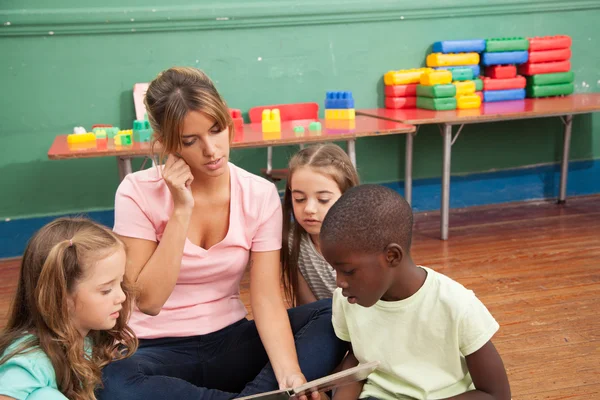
(206, 297)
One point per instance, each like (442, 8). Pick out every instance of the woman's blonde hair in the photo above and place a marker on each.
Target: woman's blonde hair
(55, 259)
(326, 159)
(172, 95)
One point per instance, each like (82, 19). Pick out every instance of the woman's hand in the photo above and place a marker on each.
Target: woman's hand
(178, 177)
(295, 380)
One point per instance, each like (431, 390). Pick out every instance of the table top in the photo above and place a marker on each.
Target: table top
(251, 136)
(496, 111)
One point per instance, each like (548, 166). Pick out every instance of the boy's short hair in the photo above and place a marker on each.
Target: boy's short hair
(367, 218)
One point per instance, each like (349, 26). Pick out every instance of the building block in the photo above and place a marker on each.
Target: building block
(459, 46)
(465, 88)
(504, 84)
(299, 130)
(475, 68)
(141, 131)
(545, 68)
(468, 101)
(551, 79)
(549, 55)
(344, 113)
(404, 76)
(503, 95)
(561, 89)
(480, 95)
(338, 100)
(478, 85)
(445, 103)
(462, 74)
(238, 120)
(549, 43)
(505, 57)
(111, 132)
(79, 129)
(314, 126)
(340, 125)
(400, 102)
(436, 91)
(439, 77)
(506, 44)
(101, 134)
(81, 138)
(401, 90)
(271, 120)
(124, 138)
(273, 135)
(501, 71)
(447, 60)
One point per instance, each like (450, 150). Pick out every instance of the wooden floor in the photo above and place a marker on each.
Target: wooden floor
(537, 268)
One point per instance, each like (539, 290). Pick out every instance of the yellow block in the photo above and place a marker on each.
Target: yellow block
(271, 121)
(404, 76)
(448, 60)
(340, 124)
(342, 113)
(274, 135)
(81, 138)
(464, 87)
(468, 101)
(439, 77)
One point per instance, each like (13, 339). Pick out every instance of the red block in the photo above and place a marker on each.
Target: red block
(401, 102)
(238, 121)
(501, 71)
(544, 68)
(549, 43)
(480, 94)
(518, 82)
(549, 56)
(401, 90)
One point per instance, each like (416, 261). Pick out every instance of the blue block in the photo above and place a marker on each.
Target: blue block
(476, 69)
(459, 46)
(339, 100)
(503, 95)
(505, 57)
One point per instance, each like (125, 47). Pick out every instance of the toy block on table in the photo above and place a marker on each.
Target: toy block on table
(79, 129)
(551, 79)
(459, 46)
(468, 101)
(501, 71)
(465, 88)
(339, 100)
(506, 57)
(437, 77)
(340, 125)
(299, 130)
(400, 102)
(504, 84)
(111, 131)
(436, 91)
(441, 104)
(404, 76)
(124, 138)
(480, 95)
(478, 85)
(347, 113)
(314, 127)
(101, 134)
(462, 74)
(475, 68)
(561, 89)
(142, 132)
(238, 120)
(86, 137)
(503, 95)
(448, 60)
(495, 45)
(545, 68)
(549, 43)
(549, 55)
(400, 90)
(271, 120)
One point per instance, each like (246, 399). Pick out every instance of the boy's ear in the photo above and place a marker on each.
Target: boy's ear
(394, 254)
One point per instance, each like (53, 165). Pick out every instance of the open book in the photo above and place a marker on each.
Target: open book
(356, 374)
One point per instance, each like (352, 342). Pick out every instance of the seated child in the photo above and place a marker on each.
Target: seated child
(69, 315)
(431, 335)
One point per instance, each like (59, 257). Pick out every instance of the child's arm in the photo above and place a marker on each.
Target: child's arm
(488, 374)
(305, 295)
(352, 390)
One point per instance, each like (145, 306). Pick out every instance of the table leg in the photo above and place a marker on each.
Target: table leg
(352, 151)
(445, 203)
(269, 160)
(564, 170)
(124, 165)
(408, 164)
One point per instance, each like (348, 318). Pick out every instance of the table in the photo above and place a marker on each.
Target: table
(563, 107)
(251, 136)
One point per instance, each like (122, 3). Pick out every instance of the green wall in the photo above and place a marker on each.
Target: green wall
(69, 66)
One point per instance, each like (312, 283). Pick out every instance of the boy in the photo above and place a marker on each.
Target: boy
(430, 334)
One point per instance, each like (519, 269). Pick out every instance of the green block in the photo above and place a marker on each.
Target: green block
(144, 135)
(110, 132)
(125, 140)
(560, 89)
(478, 85)
(436, 91)
(446, 103)
(298, 129)
(141, 125)
(506, 44)
(462, 74)
(551, 79)
(100, 133)
(314, 126)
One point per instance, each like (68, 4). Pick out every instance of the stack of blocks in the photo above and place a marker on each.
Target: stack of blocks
(339, 105)
(501, 57)
(142, 131)
(436, 91)
(401, 87)
(459, 58)
(271, 123)
(548, 69)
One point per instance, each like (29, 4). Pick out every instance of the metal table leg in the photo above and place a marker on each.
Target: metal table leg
(352, 151)
(124, 165)
(564, 170)
(408, 164)
(445, 203)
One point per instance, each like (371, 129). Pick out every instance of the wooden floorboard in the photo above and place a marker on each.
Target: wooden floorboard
(537, 268)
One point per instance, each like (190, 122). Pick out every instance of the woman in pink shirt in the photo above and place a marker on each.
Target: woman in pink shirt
(191, 228)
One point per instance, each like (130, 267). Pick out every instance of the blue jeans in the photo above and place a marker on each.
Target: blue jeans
(223, 364)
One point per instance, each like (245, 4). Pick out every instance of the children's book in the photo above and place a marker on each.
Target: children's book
(356, 374)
